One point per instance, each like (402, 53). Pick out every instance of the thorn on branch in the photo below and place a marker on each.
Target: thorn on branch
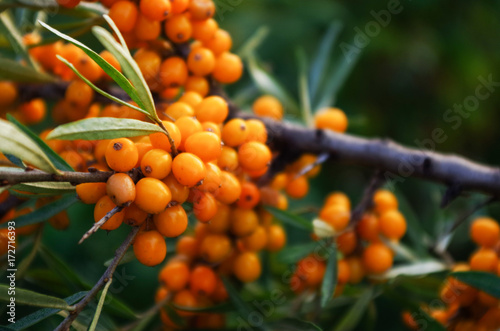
(97, 225)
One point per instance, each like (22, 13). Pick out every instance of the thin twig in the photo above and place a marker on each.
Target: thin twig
(97, 225)
(106, 277)
(319, 160)
(366, 201)
(170, 139)
(9, 177)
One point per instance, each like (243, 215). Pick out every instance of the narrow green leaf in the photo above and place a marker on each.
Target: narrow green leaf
(130, 68)
(305, 99)
(330, 279)
(119, 308)
(17, 143)
(269, 85)
(353, 316)
(289, 218)
(57, 160)
(44, 188)
(103, 128)
(117, 76)
(44, 213)
(320, 62)
(118, 33)
(484, 281)
(253, 42)
(143, 323)
(26, 262)
(294, 324)
(15, 160)
(415, 269)
(30, 298)
(9, 29)
(98, 90)
(294, 253)
(98, 310)
(39, 315)
(16, 72)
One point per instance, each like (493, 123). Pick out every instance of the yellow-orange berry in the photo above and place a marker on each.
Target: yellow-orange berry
(173, 72)
(331, 119)
(204, 206)
(256, 131)
(155, 10)
(178, 28)
(204, 30)
(156, 163)
(215, 248)
(8, 93)
(230, 188)
(188, 169)
(249, 197)
(121, 154)
(212, 109)
(150, 248)
(172, 222)
(384, 200)
(298, 187)
(90, 192)
(33, 111)
(102, 207)
(247, 267)
(180, 193)
(152, 195)
(205, 145)
(234, 132)
(257, 240)
(228, 159)
(377, 258)
(174, 275)
(243, 221)
(124, 14)
(268, 106)
(392, 224)
(201, 61)
(484, 259)
(276, 238)
(228, 68)
(134, 216)
(202, 281)
(220, 42)
(254, 156)
(484, 231)
(160, 139)
(121, 189)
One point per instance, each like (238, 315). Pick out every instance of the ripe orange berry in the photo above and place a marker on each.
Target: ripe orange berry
(179, 6)
(228, 159)
(255, 156)
(357, 271)
(311, 271)
(90, 192)
(191, 98)
(205, 145)
(156, 163)
(152, 195)
(220, 42)
(276, 238)
(33, 111)
(338, 198)
(249, 197)
(234, 132)
(377, 258)
(201, 9)
(173, 72)
(145, 29)
(172, 222)
(331, 119)
(247, 267)
(204, 206)
(347, 242)
(179, 109)
(160, 139)
(256, 131)
(201, 61)
(202, 281)
(220, 222)
(368, 227)
(384, 200)
(343, 271)
(228, 68)
(484, 259)
(243, 222)
(298, 187)
(215, 248)
(111, 59)
(174, 275)
(89, 68)
(212, 109)
(121, 189)
(185, 299)
(188, 169)
(187, 246)
(212, 180)
(204, 30)
(485, 231)
(150, 248)
(178, 28)
(149, 63)
(230, 188)
(257, 240)
(124, 14)
(102, 207)
(392, 224)
(336, 215)
(268, 106)
(180, 193)
(121, 154)
(8, 93)
(79, 94)
(155, 10)
(187, 126)
(197, 84)
(134, 216)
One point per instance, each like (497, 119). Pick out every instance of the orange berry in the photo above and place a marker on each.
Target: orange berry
(134, 216)
(220, 222)
(230, 188)
(228, 159)
(311, 271)
(201, 9)
(204, 206)
(356, 269)
(102, 207)
(247, 267)
(228, 68)
(155, 10)
(338, 198)
(204, 30)
(368, 227)
(187, 126)
(90, 192)
(121, 189)
(343, 271)
(201, 61)
(192, 98)
(392, 224)
(485, 231)
(179, 109)
(179, 6)
(173, 72)
(187, 246)
(205, 145)
(121, 154)
(8, 93)
(185, 299)
(298, 187)
(220, 42)
(178, 28)
(268, 106)
(336, 215)
(215, 248)
(256, 131)
(384, 200)
(484, 259)
(243, 222)
(249, 197)
(156, 163)
(152, 195)
(124, 14)
(145, 29)
(150, 248)
(347, 242)
(172, 222)
(79, 94)
(202, 281)
(33, 111)
(331, 119)
(174, 275)
(234, 132)
(257, 240)
(256, 156)
(276, 238)
(160, 139)
(197, 84)
(149, 63)
(212, 180)
(89, 68)
(377, 258)
(212, 109)
(188, 169)
(180, 193)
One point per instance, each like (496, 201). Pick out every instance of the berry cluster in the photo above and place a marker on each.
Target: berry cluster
(467, 308)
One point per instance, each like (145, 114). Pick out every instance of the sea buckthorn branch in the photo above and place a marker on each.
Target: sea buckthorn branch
(97, 225)
(105, 278)
(9, 177)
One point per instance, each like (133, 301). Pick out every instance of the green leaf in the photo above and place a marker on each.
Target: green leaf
(57, 160)
(17, 143)
(98, 310)
(26, 262)
(415, 269)
(289, 218)
(129, 67)
(329, 282)
(9, 29)
(117, 76)
(253, 42)
(44, 213)
(15, 160)
(44, 188)
(484, 281)
(294, 324)
(295, 252)
(30, 298)
(321, 60)
(269, 85)
(39, 315)
(98, 90)
(103, 128)
(119, 308)
(16, 72)
(305, 99)
(353, 316)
